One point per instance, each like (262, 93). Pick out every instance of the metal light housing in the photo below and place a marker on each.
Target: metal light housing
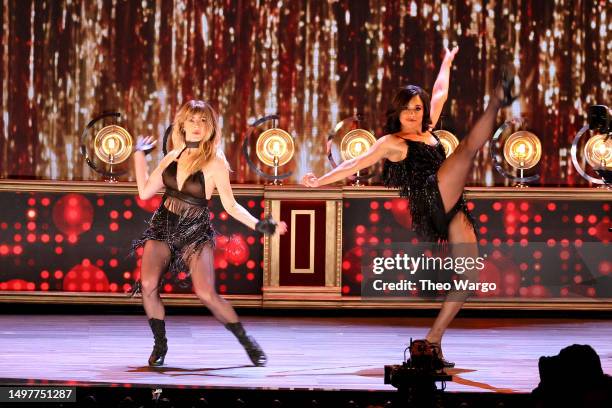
(521, 151)
(350, 139)
(110, 148)
(448, 140)
(355, 143)
(113, 144)
(274, 147)
(596, 154)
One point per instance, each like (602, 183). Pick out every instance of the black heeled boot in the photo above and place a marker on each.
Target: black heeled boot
(256, 354)
(438, 350)
(160, 348)
(425, 355)
(507, 85)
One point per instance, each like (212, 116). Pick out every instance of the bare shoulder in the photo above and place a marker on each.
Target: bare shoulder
(172, 155)
(218, 163)
(167, 159)
(396, 147)
(389, 140)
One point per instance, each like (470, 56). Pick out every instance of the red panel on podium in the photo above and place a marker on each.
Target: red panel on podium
(302, 248)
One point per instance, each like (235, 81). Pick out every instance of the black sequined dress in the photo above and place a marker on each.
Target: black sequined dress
(416, 178)
(182, 221)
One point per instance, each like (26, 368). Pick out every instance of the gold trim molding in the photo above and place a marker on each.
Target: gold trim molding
(301, 298)
(117, 299)
(290, 192)
(531, 193)
(301, 193)
(101, 187)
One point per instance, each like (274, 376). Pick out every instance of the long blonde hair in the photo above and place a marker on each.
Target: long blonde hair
(212, 132)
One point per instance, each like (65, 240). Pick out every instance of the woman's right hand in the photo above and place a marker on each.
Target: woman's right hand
(145, 144)
(310, 180)
(449, 55)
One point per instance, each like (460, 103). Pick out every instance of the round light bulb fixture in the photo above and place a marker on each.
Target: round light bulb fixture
(275, 147)
(448, 140)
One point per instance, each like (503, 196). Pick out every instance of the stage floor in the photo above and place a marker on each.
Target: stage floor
(332, 353)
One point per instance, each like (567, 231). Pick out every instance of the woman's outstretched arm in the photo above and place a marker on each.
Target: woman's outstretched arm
(379, 150)
(440, 89)
(221, 179)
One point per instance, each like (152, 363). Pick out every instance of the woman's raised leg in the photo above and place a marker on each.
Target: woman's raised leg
(454, 171)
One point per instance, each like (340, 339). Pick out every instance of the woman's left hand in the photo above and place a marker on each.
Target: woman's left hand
(145, 144)
(281, 227)
(310, 180)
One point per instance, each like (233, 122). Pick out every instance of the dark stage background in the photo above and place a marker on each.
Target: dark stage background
(313, 62)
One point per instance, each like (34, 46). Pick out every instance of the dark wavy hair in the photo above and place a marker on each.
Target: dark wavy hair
(400, 100)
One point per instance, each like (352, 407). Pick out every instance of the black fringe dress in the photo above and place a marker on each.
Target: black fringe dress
(182, 221)
(416, 178)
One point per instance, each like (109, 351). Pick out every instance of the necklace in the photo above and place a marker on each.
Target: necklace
(192, 144)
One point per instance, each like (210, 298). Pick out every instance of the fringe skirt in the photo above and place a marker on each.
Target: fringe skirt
(429, 220)
(185, 234)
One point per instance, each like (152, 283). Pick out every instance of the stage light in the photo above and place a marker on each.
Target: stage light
(596, 153)
(448, 140)
(420, 372)
(112, 146)
(522, 150)
(355, 143)
(350, 139)
(275, 147)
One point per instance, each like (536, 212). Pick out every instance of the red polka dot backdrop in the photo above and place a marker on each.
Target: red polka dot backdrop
(72, 215)
(149, 205)
(237, 250)
(85, 278)
(17, 285)
(400, 211)
(535, 248)
(81, 243)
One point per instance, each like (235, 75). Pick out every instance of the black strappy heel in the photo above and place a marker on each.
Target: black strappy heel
(507, 84)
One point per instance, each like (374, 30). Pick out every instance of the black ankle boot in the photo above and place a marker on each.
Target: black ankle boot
(256, 354)
(428, 356)
(160, 348)
(438, 350)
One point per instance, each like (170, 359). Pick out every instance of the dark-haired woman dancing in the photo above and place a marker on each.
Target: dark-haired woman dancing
(415, 162)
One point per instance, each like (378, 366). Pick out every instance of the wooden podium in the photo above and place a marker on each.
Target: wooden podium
(304, 264)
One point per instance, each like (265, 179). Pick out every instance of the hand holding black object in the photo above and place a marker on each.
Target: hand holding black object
(503, 91)
(145, 144)
(266, 226)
